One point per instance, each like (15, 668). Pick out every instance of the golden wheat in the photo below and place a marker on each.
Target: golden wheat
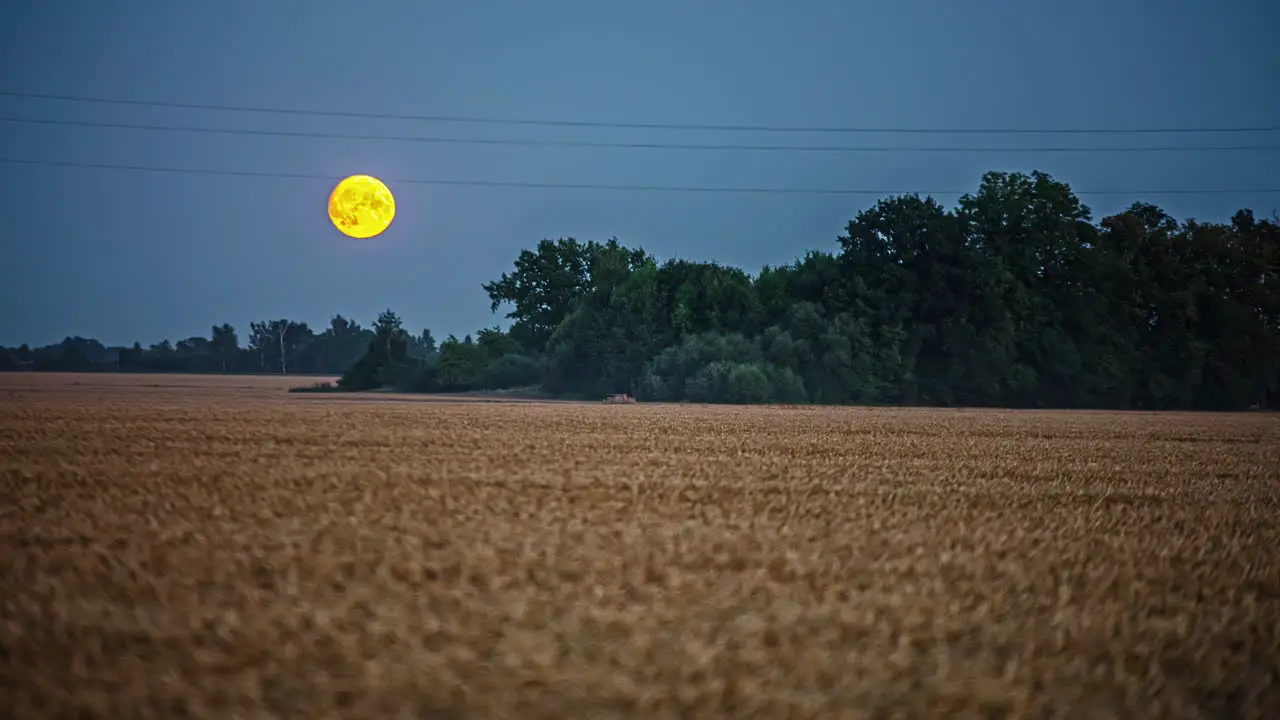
(215, 547)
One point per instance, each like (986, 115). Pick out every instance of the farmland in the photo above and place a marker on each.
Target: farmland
(187, 546)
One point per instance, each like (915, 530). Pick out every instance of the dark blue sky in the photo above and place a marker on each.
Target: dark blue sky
(123, 255)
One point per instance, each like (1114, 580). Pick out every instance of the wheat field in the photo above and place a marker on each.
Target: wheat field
(218, 548)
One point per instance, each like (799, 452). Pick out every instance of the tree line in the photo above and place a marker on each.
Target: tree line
(1013, 298)
(274, 347)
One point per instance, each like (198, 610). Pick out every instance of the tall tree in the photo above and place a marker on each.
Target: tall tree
(224, 345)
(385, 361)
(1033, 230)
(340, 345)
(278, 343)
(194, 354)
(422, 346)
(547, 284)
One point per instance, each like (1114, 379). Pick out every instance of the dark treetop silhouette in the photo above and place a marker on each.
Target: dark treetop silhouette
(1014, 298)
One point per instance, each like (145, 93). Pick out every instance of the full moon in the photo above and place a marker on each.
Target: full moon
(361, 206)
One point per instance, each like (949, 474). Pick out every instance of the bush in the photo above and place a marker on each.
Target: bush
(666, 375)
(786, 385)
(510, 371)
(425, 377)
(457, 365)
(709, 384)
(368, 374)
(748, 383)
(320, 387)
(744, 383)
(651, 388)
(363, 375)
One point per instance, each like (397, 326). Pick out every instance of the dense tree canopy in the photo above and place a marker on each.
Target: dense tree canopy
(1015, 297)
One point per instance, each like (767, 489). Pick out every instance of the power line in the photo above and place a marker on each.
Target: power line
(635, 125)
(600, 186)
(628, 145)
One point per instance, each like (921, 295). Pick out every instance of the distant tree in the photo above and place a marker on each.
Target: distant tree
(422, 346)
(494, 343)
(546, 285)
(340, 345)
(390, 339)
(279, 343)
(386, 360)
(261, 342)
(508, 371)
(194, 354)
(73, 358)
(459, 363)
(132, 359)
(224, 345)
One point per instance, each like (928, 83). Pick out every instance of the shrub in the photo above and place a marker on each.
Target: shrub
(510, 371)
(320, 387)
(786, 385)
(747, 383)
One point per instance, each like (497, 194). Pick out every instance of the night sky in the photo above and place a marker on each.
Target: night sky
(126, 255)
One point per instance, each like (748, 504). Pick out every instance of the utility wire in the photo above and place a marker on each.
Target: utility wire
(599, 186)
(638, 125)
(631, 145)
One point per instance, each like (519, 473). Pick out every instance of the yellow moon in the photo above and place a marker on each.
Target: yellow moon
(361, 206)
